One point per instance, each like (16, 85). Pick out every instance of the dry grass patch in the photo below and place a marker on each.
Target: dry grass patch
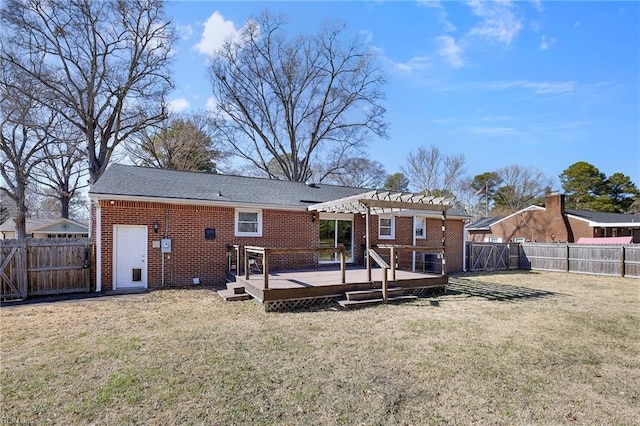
(508, 348)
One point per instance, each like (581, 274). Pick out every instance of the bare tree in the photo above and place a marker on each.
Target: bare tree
(360, 172)
(287, 103)
(24, 124)
(519, 187)
(63, 169)
(182, 142)
(102, 63)
(434, 173)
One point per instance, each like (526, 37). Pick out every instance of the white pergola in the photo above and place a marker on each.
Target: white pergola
(385, 202)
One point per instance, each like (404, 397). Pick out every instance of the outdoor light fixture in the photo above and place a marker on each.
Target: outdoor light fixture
(313, 217)
(156, 226)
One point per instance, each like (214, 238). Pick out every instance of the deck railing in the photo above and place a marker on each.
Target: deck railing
(395, 249)
(264, 253)
(385, 267)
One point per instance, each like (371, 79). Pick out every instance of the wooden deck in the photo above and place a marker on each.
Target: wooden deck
(306, 287)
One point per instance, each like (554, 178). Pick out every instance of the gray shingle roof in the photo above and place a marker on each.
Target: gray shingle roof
(484, 223)
(133, 181)
(604, 217)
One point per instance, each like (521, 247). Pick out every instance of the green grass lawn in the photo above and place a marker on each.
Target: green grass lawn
(504, 348)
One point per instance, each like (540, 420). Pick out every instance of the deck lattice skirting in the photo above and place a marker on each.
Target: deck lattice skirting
(297, 304)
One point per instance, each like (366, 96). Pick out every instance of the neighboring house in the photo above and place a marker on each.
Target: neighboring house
(553, 223)
(157, 227)
(46, 228)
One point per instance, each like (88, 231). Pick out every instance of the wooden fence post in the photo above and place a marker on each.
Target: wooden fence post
(622, 261)
(21, 263)
(567, 258)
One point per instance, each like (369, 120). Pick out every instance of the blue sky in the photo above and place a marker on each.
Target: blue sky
(538, 84)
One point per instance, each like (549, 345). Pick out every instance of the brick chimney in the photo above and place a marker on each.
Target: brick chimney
(557, 228)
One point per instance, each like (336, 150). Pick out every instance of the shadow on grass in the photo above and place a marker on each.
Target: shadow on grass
(494, 291)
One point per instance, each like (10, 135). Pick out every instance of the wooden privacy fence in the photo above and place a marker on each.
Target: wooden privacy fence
(613, 260)
(38, 267)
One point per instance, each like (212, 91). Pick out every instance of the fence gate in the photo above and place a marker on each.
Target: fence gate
(13, 270)
(492, 256)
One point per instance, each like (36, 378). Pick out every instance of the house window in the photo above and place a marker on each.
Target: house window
(386, 227)
(493, 240)
(519, 240)
(420, 227)
(614, 232)
(248, 223)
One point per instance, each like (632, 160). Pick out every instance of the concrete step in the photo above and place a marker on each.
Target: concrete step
(236, 288)
(230, 295)
(350, 304)
(373, 293)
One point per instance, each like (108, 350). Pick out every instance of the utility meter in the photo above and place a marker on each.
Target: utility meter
(165, 245)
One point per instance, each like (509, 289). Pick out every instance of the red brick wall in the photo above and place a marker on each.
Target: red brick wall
(192, 256)
(404, 236)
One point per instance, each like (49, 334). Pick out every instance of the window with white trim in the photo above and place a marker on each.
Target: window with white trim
(248, 223)
(386, 227)
(519, 240)
(420, 227)
(493, 240)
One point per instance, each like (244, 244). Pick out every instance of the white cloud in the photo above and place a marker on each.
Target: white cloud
(538, 87)
(495, 131)
(417, 63)
(498, 21)
(216, 31)
(442, 14)
(178, 105)
(546, 42)
(211, 104)
(184, 31)
(451, 51)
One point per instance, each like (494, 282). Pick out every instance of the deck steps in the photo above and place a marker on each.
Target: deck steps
(374, 293)
(362, 298)
(350, 304)
(234, 292)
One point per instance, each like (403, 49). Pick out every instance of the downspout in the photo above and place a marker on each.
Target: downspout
(98, 241)
(464, 246)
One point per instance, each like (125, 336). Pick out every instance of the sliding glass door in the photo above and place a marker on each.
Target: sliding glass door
(336, 232)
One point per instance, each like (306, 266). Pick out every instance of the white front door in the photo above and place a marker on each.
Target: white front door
(130, 257)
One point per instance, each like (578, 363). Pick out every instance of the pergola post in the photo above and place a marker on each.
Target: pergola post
(368, 244)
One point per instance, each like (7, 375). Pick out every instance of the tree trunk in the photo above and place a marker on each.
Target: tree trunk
(64, 206)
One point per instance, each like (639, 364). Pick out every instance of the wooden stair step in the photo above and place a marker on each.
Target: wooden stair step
(349, 304)
(236, 288)
(230, 295)
(375, 293)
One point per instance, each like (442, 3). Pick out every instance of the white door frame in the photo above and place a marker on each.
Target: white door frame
(144, 255)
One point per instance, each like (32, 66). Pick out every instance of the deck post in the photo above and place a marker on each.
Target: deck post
(246, 265)
(368, 246)
(385, 285)
(238, 257)
(265, 268)
(343, 266)
(393, 263)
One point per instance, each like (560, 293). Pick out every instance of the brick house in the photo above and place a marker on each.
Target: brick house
(155, 228)
(553, 223)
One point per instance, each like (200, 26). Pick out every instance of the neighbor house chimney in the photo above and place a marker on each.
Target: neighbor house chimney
(556, 221)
